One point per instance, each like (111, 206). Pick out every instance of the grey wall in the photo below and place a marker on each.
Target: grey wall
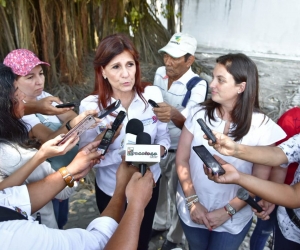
(261, 27)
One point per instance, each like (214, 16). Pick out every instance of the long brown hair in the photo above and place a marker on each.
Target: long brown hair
(108, 48)
(243, 69)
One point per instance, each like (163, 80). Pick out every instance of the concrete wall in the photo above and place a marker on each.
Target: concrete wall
(255, 27)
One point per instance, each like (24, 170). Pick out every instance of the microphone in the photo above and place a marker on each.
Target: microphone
(133, 127)
(243, 194)
(142, 154)
(143, 138)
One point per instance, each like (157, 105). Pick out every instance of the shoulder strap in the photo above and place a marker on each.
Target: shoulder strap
(190, 85)
(41, 118)
(7, 214)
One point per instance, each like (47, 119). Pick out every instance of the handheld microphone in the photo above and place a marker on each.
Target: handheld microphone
(133, 127)
(243, 194)
(143, 138)
(142, 154)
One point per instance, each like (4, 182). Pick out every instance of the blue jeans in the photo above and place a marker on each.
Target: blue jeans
(203, 239)
(262, 231)
(280, 242)
(61, 211)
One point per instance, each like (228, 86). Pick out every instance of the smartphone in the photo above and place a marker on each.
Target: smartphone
(207, 130)
(109, 109)
(153, 103)
(82, 126)
(109, 134)
(209, 160)
(67, 105)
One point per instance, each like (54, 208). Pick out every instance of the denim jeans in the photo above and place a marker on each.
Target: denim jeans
(262, 231)
(203, 239)
(61, 212)
(281, 242)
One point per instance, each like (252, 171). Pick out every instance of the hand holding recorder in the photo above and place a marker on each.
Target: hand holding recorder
(44, 106)
(209, 161)
(163, 111)
(207, 130)
(82, 126)
(67, 105)
(109, 134)
(109, 109)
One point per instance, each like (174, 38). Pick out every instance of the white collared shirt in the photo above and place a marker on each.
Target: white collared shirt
(106, 170)
(28, 234)
(175, 95)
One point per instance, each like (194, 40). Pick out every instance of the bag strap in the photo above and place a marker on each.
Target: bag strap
(190, 85)
(41, 118)
(7, 214)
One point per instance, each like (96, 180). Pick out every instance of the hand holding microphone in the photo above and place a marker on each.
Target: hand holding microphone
(243, 194)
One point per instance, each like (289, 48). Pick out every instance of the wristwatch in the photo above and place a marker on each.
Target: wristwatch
(165, 153)
(229, 209)
(66, 176)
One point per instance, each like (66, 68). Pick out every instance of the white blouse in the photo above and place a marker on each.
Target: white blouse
(107, 168)
(214, 195)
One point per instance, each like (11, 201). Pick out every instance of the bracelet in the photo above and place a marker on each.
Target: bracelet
(68, 126)
(66, 176)
(190, 197)
(191, 203)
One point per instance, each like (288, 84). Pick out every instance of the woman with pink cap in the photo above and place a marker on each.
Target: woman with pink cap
(30, 82)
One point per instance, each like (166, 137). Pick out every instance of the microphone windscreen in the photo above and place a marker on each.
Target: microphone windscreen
(143, 138)
(242, 194)
(134, 126)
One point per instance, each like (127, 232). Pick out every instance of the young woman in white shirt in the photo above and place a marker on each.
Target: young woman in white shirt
(31, 80)
(118, 76)
(211, 215)
(15, 147)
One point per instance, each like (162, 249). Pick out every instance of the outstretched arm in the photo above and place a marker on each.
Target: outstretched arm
(41, 192)
(44, 133)
(44, 106)
(264, 155)
(280, 194)
(47, 150)
(138, 193)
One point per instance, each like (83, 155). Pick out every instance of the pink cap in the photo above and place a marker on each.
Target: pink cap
(22, 61)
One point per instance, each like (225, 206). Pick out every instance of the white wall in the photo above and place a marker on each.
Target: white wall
(266, 27)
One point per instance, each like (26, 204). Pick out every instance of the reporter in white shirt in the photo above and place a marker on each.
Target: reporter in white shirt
(28, 234)
(117, 76)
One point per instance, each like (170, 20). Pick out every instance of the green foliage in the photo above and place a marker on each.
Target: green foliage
(3, 3)
(168, 11)
(135, 17)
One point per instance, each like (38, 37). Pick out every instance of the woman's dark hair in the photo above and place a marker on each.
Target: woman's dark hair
(108, 48)
(11, 128)
(243, 69)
